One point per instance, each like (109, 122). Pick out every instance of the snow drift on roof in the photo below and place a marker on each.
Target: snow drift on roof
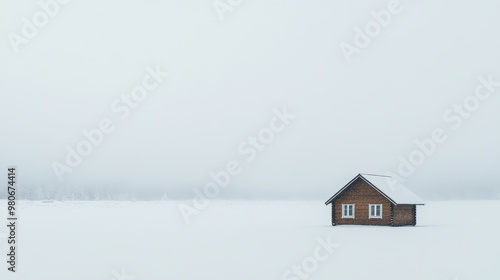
(393, 189)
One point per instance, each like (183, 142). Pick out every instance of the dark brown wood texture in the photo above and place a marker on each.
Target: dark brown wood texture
(404, 215)
(361, 194)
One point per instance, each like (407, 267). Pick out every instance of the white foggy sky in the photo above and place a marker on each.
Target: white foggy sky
(227, 77)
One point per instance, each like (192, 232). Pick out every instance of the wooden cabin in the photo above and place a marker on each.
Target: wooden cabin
(374, 200)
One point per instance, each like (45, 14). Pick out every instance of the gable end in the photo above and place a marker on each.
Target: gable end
(354, 180)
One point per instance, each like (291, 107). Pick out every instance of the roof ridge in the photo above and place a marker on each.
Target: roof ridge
(388, 187)
(369, 174)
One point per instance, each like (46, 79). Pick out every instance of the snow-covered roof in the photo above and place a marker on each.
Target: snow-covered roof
(388, 186)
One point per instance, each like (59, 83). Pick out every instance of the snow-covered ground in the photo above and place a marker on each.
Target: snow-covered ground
(249, 240)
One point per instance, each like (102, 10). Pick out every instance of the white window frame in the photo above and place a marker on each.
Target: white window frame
(370, 216)
(353, 211)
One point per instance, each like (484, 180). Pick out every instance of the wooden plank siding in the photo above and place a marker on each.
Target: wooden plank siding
(405, 215)
(362, 195)
(334, 222)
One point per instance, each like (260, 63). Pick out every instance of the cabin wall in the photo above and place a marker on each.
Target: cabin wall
(361, 195)
(333, 215)
(404, 215)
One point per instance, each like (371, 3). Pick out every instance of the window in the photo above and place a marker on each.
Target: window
(375, 211)
(348, 211)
